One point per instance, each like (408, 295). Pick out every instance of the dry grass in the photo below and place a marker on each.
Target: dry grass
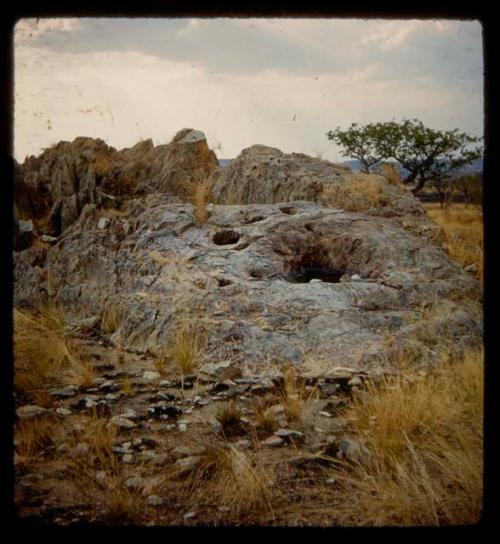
(200, 194)
(116, 503)
(32, 436)
(229, 476)
(295, 399)
(463, 227)
(229, 416)
(127, 388)
(41, 350)
(426, 438)
(187, 345)
(111, 318)
(266, 423)
(359, 193)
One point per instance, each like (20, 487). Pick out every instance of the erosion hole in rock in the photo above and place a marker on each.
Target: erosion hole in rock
(257, 274)
(289, 210)
(226, 237)
(223, 282)
(313, 266)
(254, 219)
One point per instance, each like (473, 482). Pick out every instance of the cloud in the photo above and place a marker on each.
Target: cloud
(144, 79)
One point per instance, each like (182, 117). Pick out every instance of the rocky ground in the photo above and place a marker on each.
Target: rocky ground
(300, 286)
(161, 431)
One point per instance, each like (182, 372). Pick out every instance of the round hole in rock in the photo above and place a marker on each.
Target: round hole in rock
(313, 266)
(223, 282)
(257, 274)
(289, 210)
(226, 237)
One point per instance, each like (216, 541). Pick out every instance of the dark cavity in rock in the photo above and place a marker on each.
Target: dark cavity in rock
(312, 266)
(225, 237)
(289, 210)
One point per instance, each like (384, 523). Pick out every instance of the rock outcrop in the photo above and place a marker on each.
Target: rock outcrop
(54, 188)
(262, 174)
(292, 282)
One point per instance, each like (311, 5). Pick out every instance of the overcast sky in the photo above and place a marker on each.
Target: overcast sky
(279, 82)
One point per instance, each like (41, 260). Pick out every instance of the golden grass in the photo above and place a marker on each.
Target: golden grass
(34, 435)
(187, 346)
(117, 503)
(228, 476)
(266, 423)
(358, 193)
(295, 399)
(127, 388)
(426, 436)
(200, 194)
(463, 227)
(111, 318)
(41, 350)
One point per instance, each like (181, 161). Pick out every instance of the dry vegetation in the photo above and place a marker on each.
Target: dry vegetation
(200, 195)
(360, 193)
(426, 436)
(463, 227)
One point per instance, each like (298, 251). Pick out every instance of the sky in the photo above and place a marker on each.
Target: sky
(282, 82)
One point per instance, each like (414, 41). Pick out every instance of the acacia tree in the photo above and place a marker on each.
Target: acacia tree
(358, 142)
(427, 154)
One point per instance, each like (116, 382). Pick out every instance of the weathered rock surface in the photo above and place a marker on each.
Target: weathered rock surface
(262, 174)
(245, 278)
(56, 187)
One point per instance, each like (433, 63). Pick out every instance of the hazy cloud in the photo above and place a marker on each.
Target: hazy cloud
(282, 82)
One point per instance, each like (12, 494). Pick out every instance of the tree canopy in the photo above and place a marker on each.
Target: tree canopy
(427, 154)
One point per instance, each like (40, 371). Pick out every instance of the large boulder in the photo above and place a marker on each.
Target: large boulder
(54, 188)
(262, 174)
(295, 282)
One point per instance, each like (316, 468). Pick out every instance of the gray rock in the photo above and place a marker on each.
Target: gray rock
(48, 239)
(81, 449)
(123, 423)
(269, 312)
(151, 375)
(187, 464)
(135, 482)
(272, 442)
(289, 435)
(354, 451)
(154, 500)
(154, 458)
(30, 411)
(103, 222)
(66, 392)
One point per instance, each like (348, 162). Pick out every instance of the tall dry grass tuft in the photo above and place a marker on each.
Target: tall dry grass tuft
(111, 318)
(463, 227)
(187, 345)
(200, 194)
(229, 476)
(426, 436)
(41, 350)
(294, 397)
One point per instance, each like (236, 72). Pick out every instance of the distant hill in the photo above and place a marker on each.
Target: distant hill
(476, 166)
(224, 162)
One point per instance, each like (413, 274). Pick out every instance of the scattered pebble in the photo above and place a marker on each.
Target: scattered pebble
(154, 500)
